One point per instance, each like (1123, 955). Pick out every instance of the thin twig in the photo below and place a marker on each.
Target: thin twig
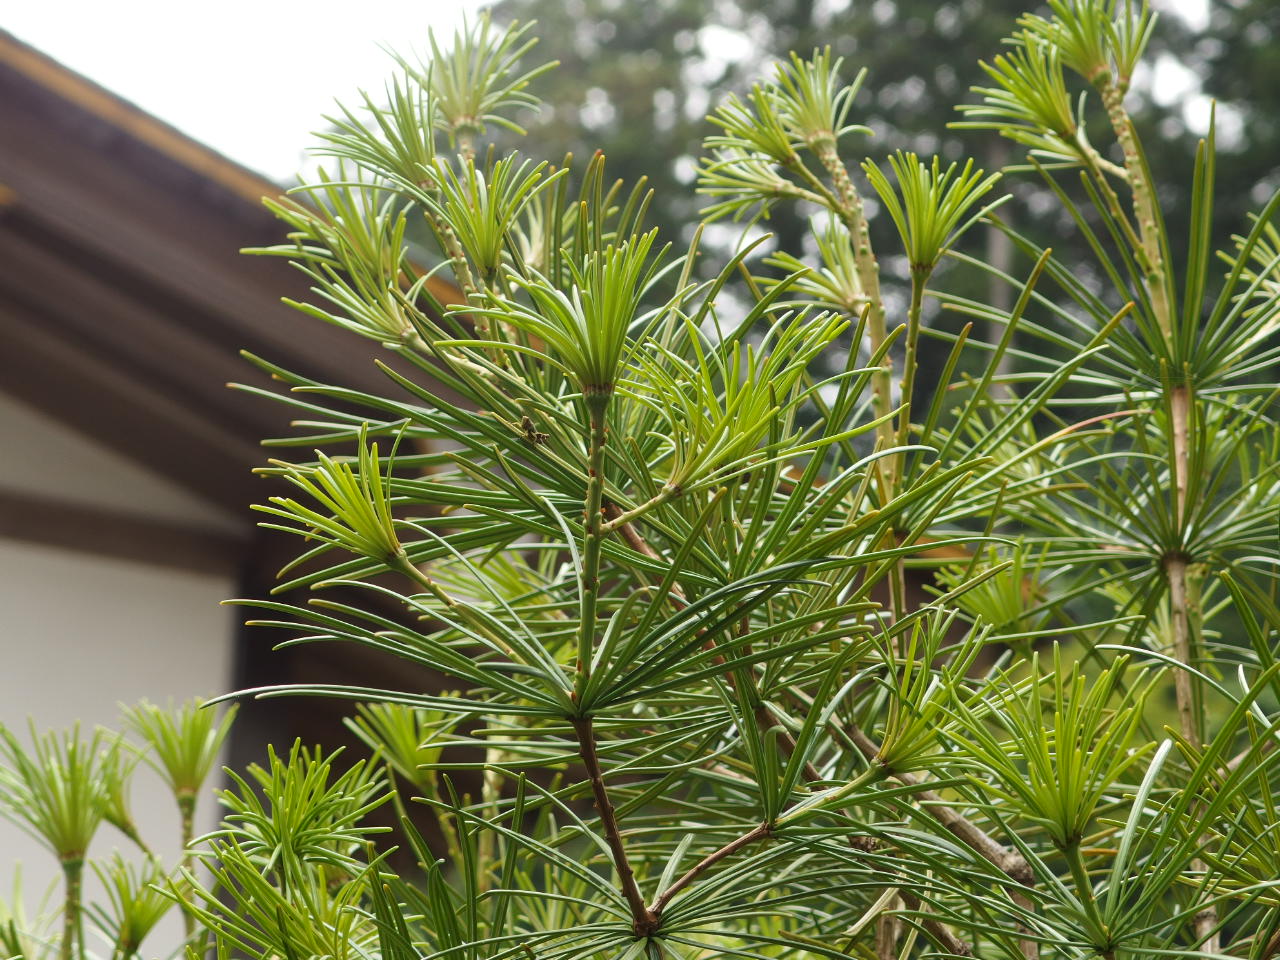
(635, 541)
(941, 933)
(1011, 863)
(936, 929)
(644, 921)
(623, 518)
(705, 864)
(1008, 861)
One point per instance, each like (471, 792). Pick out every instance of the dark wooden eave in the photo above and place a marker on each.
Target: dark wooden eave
(123, 298)
(118, 535)
(124, 303)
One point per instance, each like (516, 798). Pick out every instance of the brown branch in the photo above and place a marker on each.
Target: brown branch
(1011, 863)
(888, 929)
(1272, 948)
(1235, 762)
(705, 864)
(644, 921)
(938, 930)
(941, 933)
(634, 540)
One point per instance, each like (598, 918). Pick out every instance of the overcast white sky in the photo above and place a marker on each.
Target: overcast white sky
(252, 79)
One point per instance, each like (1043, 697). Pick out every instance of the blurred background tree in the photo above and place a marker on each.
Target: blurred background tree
(638, 77)
(1238, 60)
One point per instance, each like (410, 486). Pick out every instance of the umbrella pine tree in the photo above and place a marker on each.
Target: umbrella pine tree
(672, 565)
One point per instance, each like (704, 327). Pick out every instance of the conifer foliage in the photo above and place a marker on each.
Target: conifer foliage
(676, 580)
(746, 663)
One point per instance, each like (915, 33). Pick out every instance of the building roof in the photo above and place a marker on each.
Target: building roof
(124, 305)
(124, 300)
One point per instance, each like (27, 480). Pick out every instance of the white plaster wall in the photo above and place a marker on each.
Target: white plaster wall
(80, 634)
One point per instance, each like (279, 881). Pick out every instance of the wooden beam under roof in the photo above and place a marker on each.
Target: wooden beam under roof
(120, 410)
(118, 535)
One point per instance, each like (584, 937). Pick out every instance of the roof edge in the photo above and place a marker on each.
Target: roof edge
(48, 73)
